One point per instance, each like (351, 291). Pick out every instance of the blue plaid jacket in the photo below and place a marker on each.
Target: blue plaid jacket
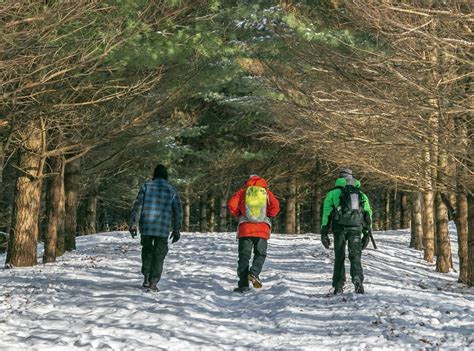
(156, 201)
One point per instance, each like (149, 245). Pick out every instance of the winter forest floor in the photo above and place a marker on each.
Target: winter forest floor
(91, 299)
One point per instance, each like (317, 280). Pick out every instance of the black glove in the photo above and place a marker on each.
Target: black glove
(175, 235)
(325, 240)
(133, 231)
(325, 230)
(365, 239)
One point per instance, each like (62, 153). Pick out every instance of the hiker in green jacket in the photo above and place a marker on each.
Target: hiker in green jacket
(347, 210)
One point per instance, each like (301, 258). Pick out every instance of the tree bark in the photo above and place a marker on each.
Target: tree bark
(203, 214)
(470, 248)
(55, 209)
(222, 215)
(405, 215)
(386, 225)
(27, 204)
(417, 221)
(290, 215)
(186, 209)
(317, 199)
(71, 187)
(298, 218)
(428, 226)
(462, 217)
(91, 212)
(212, 214)
(395, 207)
(443, 254)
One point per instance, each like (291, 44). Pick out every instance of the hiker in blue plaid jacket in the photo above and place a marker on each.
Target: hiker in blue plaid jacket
(156, 207)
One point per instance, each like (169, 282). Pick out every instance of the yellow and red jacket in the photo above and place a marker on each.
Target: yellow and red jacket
(237, 209)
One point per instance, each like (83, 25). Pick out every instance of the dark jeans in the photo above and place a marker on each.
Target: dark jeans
(154, 250)
(353, 239)
(246, 244)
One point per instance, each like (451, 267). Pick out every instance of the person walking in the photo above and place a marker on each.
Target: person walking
(253, 205)
(156, 207)
(347, 210)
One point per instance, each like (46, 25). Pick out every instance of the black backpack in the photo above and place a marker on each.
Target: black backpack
(350, 212)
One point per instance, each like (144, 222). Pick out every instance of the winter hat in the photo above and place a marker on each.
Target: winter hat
(345, 173)
(160, 172)
(253, 175)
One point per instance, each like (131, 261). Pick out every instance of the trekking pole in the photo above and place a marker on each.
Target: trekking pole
(372, 240)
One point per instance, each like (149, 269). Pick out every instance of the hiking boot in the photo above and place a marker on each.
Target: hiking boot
(242, 289)
(146, 281)
(153, 283)
(338, 290)
(257, 284)
(358, 287)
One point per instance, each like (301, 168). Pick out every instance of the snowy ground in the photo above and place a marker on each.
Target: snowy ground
(91, 299)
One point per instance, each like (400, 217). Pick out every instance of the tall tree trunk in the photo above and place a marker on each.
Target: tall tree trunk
(462, 216)
(417, 221)
(405, 219)
(298, 218)
(91, 211)
(55, 209)
(376, 218)
(222, 215)
(71, 187)
(203, 214)
(386, 225)
(212, 214)
(470, 248)
(317, 199)
(186, 209)
(443, 252)
(395, 207)
(27, 204)
(462, 206)
(428, 226)
(290, 218)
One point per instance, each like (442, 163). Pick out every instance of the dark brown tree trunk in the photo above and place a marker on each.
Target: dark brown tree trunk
(428, 226)
(462, 204)
(298, 218)
(376, 218)
(212, 214)
(203, 225)
(186, 209)
(443, 257)
(417, 221)
(222, 215)
(55, 211)
(386, 225)
(290, 215)
(470, 248)
(463, 236)
(405, 215)
(395, 210)
(91, 212)
(317, 199)
(27, 204)
(71, 188)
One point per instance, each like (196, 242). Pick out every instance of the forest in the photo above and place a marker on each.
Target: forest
(95, 94)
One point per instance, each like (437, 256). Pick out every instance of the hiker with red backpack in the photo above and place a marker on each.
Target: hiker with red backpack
(253, 205)
(347, 211)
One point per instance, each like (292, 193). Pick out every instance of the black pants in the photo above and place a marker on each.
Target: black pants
(353, 239)
(246, 244)
(154, 250)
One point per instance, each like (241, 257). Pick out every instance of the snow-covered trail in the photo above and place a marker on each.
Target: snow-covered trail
(92, 299)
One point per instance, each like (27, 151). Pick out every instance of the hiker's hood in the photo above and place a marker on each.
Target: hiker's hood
(341, 182)
(256, 181)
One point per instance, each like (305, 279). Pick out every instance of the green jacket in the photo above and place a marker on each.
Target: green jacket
(332, 200)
